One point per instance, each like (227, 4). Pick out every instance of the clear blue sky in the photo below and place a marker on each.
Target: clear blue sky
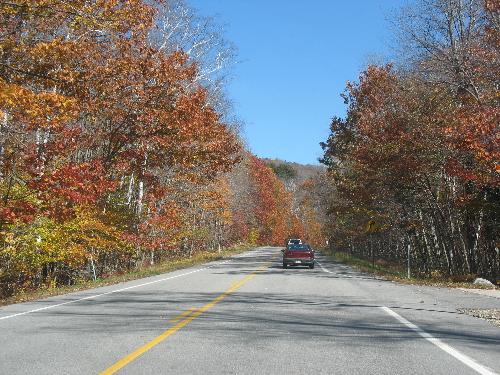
(294, 60)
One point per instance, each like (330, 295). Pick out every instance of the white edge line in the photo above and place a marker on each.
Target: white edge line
(441, 345)
(110, 292)
(323, 268)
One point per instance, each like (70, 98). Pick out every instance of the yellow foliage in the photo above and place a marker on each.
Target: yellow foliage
(28, 247)
(253, 236)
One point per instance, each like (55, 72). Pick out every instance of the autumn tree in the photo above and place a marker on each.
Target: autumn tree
(102, 119)
(414, 165)
(403, 180)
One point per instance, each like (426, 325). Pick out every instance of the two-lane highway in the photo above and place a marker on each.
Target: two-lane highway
(247, 315)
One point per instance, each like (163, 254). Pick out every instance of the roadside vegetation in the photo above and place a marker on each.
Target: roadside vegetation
(398, 272)
(119, 151)
(414, 167)
(174, 263)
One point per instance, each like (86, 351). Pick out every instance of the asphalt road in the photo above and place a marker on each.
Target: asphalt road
(247, 315)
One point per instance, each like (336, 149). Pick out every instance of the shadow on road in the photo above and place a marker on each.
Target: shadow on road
(255, 316)
(308, 316)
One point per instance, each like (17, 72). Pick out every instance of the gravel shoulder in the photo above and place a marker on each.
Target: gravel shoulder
(490, 315)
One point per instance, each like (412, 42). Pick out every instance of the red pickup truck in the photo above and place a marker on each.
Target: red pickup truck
(298, 255)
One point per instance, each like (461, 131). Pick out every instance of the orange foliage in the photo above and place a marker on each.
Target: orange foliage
(273, 207)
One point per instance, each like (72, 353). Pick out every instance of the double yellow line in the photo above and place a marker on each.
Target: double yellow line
(184, 318)
(183, 315)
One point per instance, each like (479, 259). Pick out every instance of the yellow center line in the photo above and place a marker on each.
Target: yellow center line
(143, 349)
(183, 315)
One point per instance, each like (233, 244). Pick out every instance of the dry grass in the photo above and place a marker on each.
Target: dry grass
(397, 273)
(172, 264)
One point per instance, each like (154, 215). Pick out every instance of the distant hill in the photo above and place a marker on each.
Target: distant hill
(293, 176)
(302, 171)
(296, 172)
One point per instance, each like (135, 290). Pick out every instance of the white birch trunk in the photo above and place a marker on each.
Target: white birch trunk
(41, 140)
(140, 195)
(130, 190)
(93, 266)
(478, 233)
(3, 130)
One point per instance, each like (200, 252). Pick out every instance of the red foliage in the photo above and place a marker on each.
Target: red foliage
(273, 208)
(71, 185)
